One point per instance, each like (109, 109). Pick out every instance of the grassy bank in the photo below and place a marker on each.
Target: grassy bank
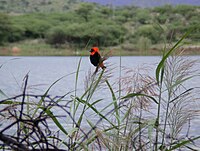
(40, 48)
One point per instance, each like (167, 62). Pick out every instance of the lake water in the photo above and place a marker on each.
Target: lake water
(43, 71)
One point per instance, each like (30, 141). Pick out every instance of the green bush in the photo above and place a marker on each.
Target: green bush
(5, 27)
(150, 32)
(56, 36)
(17, 33)
(36, 28)
(79, 34)
(166, 9)
(144, 44)
(143, 16)
(161, 18)
(33, 25)
(101, 24)
(85, 10)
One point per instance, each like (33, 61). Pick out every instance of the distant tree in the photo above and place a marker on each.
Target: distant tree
(144, 45)
(3, 5)
(193, 24)
(84, 10)
(166, 9)
(56, 36)
(150, 32)
(65, 7)
(16, 33)
(161, 18)
(143, 16)
(106, 11)
(182, 9)
(5, 27)
(25, 3)
(103, 31)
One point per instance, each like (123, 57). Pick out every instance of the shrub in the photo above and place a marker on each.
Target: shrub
(17, 33)
(5, 27)
(144, 45)
(149, 31)
(143, 16)
(78, 34)
(56, 36)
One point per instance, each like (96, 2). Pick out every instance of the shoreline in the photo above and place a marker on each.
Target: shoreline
(42, 49)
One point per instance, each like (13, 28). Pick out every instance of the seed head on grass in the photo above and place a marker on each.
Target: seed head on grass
(92, 78)
(182, 98)
(138, 80)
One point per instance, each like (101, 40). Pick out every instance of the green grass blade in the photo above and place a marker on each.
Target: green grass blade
(93, 137)
(81, 116)
(10, 102)
(3, 94)
(188, 90)
(151, 126)
(97, 101)
(90, 91)
(76, 84)
(139, 94)
(45, 94)
(111, 90)
(96, 84)
(92, 87)
(162, 62)
(179, 82)
(77, 74)
(182, 143)
(95, 110)
(50, 114)
(16, 102)
(114, 101)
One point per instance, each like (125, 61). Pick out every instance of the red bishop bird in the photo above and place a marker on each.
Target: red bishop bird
(96, 59)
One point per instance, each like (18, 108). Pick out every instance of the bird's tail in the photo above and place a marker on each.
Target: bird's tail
(102, 65)
(106, 56)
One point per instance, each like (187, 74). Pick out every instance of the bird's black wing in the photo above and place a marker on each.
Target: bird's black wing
(95, 58)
